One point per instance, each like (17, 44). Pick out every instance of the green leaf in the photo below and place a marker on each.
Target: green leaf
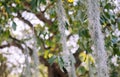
(109, 6)
(14, 25)
(114, 40)
(82, 70)
(60, 62)
(119, 23)
(43, 1)
(33, 4)
(7, 9)
(52, 0)
(51, 60)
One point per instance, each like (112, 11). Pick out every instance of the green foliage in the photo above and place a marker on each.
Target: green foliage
(4, 35)
(52, 60)
(2, 58)
(61, 63)
(82, 70)
(77, 17)
(118, 23)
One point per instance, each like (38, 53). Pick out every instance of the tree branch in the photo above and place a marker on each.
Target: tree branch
(3, 46)
(41, 17)
(19, 16)
(47, 7)
(13, 43)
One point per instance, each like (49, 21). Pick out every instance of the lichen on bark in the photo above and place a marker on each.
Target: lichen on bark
(66, 54)
(93, 11)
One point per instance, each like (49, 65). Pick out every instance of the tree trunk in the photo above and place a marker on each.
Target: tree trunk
(97, 37)
(55, 71)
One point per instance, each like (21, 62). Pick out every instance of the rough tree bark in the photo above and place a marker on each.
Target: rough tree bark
(67, 55)
(93, 11)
